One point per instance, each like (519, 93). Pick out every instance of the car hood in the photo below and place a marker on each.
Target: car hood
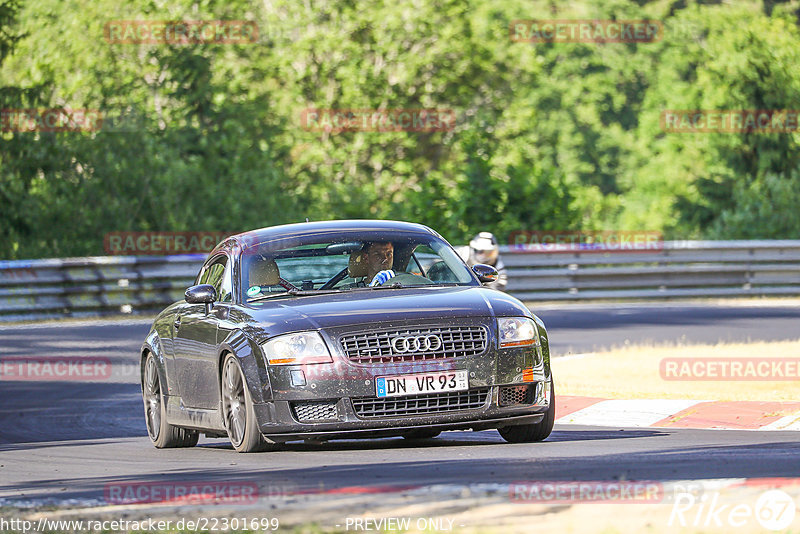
(382, 306)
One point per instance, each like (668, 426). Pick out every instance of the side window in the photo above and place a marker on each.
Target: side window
(225, 291)
(218, 276)
(433, 265)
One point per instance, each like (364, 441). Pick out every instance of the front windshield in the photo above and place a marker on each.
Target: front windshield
(349, 261)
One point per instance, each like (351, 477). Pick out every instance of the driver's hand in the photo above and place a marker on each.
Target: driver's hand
(381, 278)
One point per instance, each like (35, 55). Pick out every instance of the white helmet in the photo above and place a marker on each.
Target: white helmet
(484, 248)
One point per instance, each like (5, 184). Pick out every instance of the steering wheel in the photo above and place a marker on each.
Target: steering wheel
(338, 277)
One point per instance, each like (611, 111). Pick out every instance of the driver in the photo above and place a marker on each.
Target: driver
(379, 256)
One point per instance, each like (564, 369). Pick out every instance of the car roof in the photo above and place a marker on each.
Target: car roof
(321, 229)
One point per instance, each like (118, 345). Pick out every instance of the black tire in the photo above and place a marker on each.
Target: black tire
(237, 409)
(537, 431)
(162, 434)
(422, 433)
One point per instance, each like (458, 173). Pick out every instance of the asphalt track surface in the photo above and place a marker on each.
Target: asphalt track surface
(65, 442)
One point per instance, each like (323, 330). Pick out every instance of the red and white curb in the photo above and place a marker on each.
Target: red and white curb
(735, 415)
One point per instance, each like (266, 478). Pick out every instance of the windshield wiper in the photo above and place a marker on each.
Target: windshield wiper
(309, 292)
(271, 295)
(396, 285)
(297, 293)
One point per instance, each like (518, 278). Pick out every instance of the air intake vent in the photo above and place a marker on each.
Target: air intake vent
(512, 395)
(372, 407)
(307, 412)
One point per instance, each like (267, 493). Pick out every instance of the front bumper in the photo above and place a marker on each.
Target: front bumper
(346, 386)
(278, 419)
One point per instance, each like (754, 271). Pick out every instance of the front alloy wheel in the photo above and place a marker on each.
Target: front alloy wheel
(237, 410)
(537, 431)
(162, 434)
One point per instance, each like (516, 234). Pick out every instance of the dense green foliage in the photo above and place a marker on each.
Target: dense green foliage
(548, 136)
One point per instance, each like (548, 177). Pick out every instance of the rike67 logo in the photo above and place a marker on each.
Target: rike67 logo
(773, 510)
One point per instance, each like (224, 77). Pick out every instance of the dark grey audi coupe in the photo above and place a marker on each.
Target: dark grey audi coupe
(343, 329)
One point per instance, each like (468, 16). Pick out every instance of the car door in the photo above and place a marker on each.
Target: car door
(195, 334)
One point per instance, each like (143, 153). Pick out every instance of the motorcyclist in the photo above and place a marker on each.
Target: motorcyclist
(483, 248)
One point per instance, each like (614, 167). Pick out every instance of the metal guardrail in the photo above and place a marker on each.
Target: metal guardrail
(79, 287)
(84, 287)
(681, 269)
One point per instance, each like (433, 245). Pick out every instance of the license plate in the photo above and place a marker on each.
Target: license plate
(395, 386)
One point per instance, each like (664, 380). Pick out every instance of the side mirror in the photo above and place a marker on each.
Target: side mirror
(485, 273)
(201, 294)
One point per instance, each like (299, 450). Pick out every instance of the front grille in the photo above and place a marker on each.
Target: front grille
(511, 395)
(381, 347)
(315, 411)
(372, 407)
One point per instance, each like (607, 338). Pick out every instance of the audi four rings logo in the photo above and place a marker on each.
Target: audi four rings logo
(427, 343)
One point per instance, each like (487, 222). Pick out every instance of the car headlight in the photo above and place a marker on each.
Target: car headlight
(297, 349)
(517, 332)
